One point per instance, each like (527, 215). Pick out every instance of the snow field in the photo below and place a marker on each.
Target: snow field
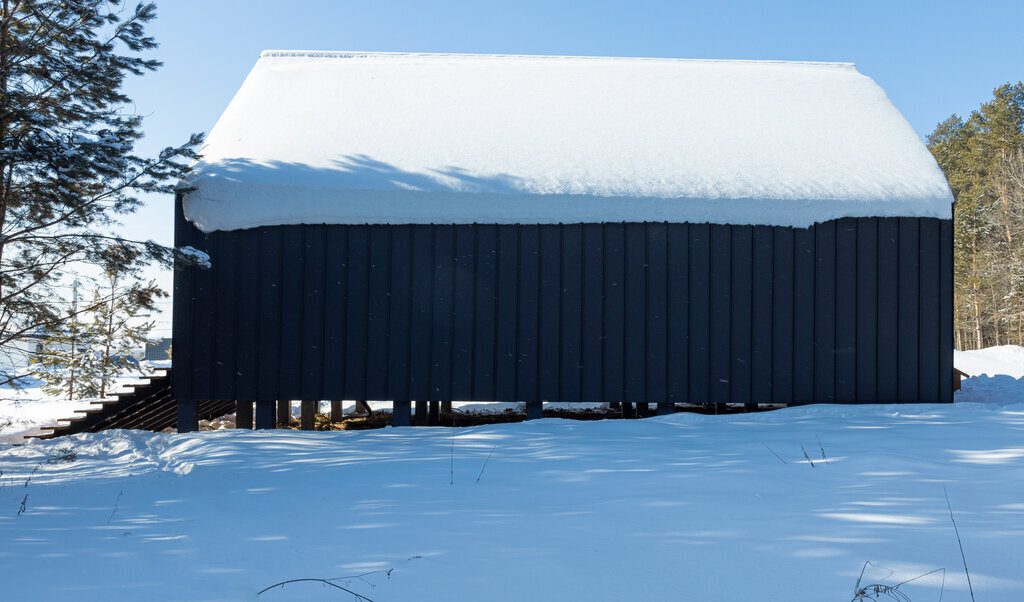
(682, 507)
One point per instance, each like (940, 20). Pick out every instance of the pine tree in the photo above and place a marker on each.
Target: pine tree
(978, 157)
(96, 347)
(67, 166)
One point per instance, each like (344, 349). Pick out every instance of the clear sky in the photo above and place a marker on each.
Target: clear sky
(933, 58)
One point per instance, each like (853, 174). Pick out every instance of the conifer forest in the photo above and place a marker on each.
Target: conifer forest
(982, 157)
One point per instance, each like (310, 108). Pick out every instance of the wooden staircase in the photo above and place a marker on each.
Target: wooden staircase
(148, 406)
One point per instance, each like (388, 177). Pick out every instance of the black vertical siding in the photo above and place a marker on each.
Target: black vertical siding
(846, 310)
(854, 310)
(678, 320)
(866, 309)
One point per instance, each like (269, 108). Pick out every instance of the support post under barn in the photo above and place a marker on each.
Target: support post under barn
(401, 413)
(534, 410)
(243, 415)
(188, 417)
(264, 414)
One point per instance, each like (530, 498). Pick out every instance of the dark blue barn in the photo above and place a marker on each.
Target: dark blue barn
(437, 228)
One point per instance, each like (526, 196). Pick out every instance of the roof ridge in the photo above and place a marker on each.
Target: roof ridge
(347, 54)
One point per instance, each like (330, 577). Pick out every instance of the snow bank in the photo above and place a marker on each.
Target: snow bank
(334, 137)
(997, 375)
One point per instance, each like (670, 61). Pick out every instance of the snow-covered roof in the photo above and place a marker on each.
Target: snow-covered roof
(352, 137)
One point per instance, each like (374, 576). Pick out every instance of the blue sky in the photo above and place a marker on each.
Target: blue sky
(932, 58)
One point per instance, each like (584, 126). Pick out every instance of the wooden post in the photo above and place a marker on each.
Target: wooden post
(243, 415)
(446, 408)
(336, 411)
(309, 414)
(643, 410)
(284, 412)
(264, 414)
(421, 413)
(627, 410)
(666, 408)
(435, 413)
(401, 413)
(534, 410)
(362, 406)
(188, 418)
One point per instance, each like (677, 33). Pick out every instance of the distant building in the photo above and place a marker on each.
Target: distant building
(158, 350)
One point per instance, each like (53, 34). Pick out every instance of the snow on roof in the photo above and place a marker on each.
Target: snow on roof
(347, 137)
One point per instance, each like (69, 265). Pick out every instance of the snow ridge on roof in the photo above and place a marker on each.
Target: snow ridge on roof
(448, 138)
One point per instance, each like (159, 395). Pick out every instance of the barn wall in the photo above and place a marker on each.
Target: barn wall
(853, 310)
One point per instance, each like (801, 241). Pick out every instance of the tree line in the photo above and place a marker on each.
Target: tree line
(982, 158)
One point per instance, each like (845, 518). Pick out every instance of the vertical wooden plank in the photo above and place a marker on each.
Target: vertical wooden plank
(783, 304)
(290, 356)
(592, 385)
(571, 332)
(930, 296)
(635, 310)
(204, 291)
(846, 310)
(356, 314)
(549, 312)
(313, 313)
(421, 294)
(183, 310)
(529, 308)
(225, 303)
(507, 322)
(463, 312)
(909, 309)
(441, 335)
(678, 308)
(700, 313)
(761, 308)
(269, 313)
(803, 316)
(378, 299)
(486, 311)
(946, 311)
(614, 312)
(336, 311)
(742, 316)
(247, 315)
(825, 312)
(888, 309)
(721, 307)
(657, 313)
(867, 309)
(399, 345)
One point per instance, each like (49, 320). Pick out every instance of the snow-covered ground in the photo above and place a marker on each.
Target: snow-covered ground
(682, 507)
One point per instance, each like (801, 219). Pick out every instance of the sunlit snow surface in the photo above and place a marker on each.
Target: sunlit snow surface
(684, 507)
(340, 137)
